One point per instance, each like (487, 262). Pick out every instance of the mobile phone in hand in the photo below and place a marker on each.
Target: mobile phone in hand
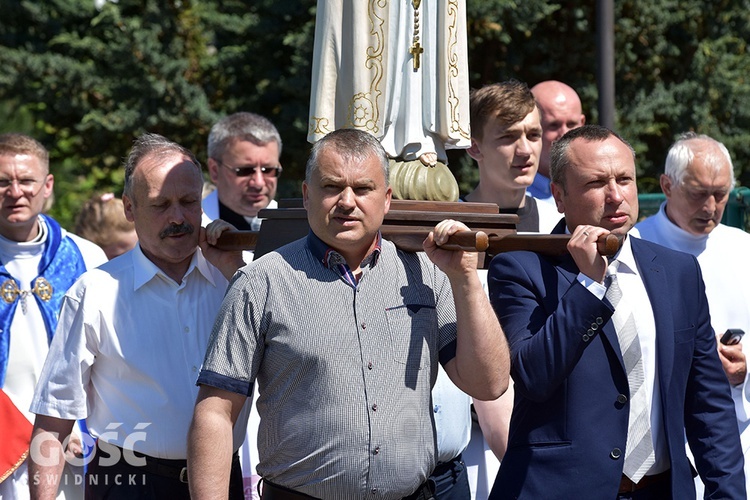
(732, 336)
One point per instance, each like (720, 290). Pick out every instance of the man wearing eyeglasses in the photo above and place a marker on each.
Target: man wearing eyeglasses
(38, 262)
(243, 162)
(697, 181)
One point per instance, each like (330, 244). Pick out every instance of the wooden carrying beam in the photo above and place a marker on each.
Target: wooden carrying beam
(410, 240)
(407, 224)
(288, 222)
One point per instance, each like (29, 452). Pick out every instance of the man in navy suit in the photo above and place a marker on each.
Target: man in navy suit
(573, 419)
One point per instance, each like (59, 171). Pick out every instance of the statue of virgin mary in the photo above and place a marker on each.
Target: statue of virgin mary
(396, 69)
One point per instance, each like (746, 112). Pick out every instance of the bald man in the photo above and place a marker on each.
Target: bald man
(560, 107)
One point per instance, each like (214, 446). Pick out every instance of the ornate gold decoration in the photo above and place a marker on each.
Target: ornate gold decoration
(10, 291)
(319, 125)
(364, 107)
(416, 49)
(42, 289)
(453, 12)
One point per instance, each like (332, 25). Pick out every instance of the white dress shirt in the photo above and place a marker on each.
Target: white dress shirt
(128, 350)
(633, 290)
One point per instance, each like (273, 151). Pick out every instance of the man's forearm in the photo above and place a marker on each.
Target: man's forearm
(482, 361)
(494, 420)
(209, 450)
(46, 457)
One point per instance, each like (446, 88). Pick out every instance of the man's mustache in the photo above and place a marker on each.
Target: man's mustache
(184, 228)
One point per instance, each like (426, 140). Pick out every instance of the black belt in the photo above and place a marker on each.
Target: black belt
(166, 468)
(172, 469)
(424, 492)
(628, 486)
(444, 467)
(275, 492)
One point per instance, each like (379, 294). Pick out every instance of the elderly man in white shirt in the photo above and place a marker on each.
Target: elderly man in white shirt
(131, 338)
(697, 181)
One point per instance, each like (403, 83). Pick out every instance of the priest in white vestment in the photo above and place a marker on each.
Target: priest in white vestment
(698, 180)
(39, 260)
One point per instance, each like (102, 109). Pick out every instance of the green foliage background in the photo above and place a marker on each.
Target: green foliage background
(86, 80)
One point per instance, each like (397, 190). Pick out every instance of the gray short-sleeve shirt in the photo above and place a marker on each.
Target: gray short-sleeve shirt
(344, 372)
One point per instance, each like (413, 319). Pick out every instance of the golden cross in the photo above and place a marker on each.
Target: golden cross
(415, 50)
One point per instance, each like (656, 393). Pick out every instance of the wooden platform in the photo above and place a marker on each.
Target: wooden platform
(288, 222)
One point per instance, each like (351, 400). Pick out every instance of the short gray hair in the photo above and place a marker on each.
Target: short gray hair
(559, 159)
(242, 126)
(352, 145)
(149, 145)
(682, 153)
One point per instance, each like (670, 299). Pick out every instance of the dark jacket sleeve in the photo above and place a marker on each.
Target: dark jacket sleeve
(547, 317)
(710, 419)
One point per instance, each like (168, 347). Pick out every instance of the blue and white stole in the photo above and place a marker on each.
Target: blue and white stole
(60, 266)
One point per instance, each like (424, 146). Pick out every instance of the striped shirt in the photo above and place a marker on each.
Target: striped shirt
(344, 368)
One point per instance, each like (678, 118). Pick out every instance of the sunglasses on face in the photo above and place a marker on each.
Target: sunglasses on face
(249, 170)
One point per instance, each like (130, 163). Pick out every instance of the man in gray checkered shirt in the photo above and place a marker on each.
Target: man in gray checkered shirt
(344, 334)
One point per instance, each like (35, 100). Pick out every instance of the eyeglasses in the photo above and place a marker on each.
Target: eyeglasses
(249, 170)
(26, 186)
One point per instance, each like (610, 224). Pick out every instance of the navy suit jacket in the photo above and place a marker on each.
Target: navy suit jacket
(569, 424)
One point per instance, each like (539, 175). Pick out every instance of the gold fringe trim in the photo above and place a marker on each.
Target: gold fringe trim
(14, 467)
